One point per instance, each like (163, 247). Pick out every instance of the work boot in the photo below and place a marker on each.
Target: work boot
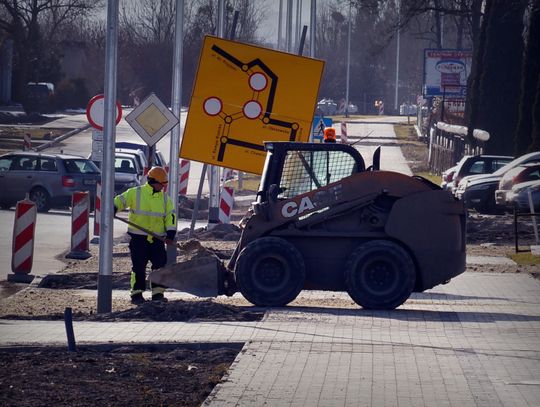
(137, 299)
(159, 298)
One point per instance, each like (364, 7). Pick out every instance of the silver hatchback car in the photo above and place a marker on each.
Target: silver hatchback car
(49, 179)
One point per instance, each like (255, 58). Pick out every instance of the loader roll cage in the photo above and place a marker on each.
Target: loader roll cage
(297, 168)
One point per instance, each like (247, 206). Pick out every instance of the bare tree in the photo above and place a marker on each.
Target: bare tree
(32, 25)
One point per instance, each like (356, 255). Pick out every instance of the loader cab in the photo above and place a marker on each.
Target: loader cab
(297, 168)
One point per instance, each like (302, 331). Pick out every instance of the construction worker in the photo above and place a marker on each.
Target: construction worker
(152, 209)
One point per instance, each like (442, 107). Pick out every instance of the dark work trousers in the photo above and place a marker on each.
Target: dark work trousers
(142, 251)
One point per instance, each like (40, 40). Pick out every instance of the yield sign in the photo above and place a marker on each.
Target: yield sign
(152, 120)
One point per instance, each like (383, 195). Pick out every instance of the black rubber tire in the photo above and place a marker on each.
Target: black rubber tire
(380, 275)
(270, 272)
(42, 199)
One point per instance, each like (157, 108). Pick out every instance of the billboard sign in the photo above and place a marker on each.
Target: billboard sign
(446, 72)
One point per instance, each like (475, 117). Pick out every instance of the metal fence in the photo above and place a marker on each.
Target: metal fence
(447, 145)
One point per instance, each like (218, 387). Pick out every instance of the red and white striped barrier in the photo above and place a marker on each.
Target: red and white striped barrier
(97, 213)
(226, 204)
(184, 177)
(23, 241)
(343, 139)
(80, 214)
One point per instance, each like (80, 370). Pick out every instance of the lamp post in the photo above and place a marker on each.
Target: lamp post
(397, 60)
(348, 62)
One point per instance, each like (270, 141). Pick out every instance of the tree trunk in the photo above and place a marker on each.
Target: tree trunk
(535, 143)
(501, 74)
(473, 96)
(529, 85)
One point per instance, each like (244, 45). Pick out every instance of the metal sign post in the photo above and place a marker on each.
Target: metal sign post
(104, 295)
(213, 204)
(176, 105)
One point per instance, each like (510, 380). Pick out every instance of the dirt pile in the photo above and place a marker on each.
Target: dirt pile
(112, 376)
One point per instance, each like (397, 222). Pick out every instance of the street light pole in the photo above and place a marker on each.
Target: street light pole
(104, 286)
(312, 28)
(397, 60)
(280, 19)
(348, 63)
(288, 26)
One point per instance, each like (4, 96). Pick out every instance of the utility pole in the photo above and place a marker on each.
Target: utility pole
(348, 62)
(279, 30)
(176, 106)
(104, 294)
(312, 30)
(288, 26)
(298, 29)
(397, 59)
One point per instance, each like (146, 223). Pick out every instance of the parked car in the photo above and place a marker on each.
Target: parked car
(127, 172)
(39, 97)
(326, 107)
(448, 177)
(408, 110)
(49, 179)
(138, 155)
(159, 158)
(517, 175)
(476, 165)
(519, 196)
(478, 191)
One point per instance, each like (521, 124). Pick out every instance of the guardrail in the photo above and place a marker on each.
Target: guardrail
(448, 144)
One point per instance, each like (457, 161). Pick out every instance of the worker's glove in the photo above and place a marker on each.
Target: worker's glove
(171, 234)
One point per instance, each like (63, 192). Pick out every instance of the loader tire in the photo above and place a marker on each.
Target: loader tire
(380, 275)
(270, 272)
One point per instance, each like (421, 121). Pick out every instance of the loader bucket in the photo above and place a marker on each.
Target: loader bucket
(200, 276)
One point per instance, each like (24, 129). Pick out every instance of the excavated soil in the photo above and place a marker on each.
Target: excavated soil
(148, 375)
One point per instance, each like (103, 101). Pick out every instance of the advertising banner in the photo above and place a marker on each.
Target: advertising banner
(446, 72)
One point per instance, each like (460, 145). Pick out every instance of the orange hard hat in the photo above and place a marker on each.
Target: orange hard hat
(329, 135)
(159, 174)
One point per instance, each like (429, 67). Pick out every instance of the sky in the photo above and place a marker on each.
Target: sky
(269, 28)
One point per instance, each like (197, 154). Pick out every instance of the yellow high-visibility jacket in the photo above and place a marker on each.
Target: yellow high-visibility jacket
(153, 211)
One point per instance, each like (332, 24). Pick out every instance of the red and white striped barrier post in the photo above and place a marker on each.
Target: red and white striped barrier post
(23, 242)
(97, 213)
(343, 139)
(80, 214)
(226, 204)
(184, 177)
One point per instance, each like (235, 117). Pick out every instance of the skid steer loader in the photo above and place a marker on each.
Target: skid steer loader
(323, 221)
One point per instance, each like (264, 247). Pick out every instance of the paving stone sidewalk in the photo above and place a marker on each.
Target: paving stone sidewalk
(472, 342)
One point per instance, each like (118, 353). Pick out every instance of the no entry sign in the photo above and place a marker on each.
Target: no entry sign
(95, 112)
